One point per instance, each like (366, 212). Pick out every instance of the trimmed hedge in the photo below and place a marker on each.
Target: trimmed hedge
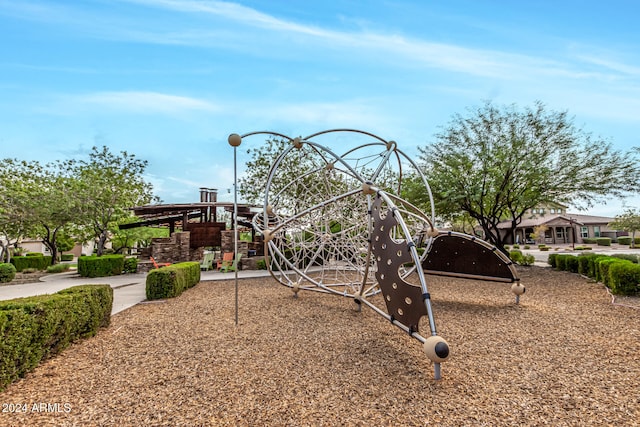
(66, 257)
(7, 272)
(37, 261)
(571, 263)
(171, 281)
(603, 269)
(35, 328)
(603, 241)
(106, 265)
(624, 278)
(620, 275)
(629, 257)
(130, 265)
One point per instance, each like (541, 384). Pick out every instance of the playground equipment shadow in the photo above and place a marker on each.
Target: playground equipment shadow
(128, 289)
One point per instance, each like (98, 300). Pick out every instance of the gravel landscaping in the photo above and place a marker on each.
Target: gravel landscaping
(566, 356)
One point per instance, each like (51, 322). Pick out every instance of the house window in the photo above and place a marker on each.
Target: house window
(542, 211)
(559, 210)
(560, 233)
(584, 232)
(596, 231)
(534, 210)
(552, 211)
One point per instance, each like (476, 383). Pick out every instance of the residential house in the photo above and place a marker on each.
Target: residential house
(562, 227)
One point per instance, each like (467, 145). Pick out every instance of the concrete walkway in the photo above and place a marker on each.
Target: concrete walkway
(128, 289)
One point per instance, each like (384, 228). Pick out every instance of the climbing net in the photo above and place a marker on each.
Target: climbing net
(318, 221)
(337, 222)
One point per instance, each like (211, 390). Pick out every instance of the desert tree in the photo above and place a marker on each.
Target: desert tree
(629, 221)
(109, 186)
(496, 163)
(41, 199)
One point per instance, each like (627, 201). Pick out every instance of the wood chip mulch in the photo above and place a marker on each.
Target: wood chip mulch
(566, 356)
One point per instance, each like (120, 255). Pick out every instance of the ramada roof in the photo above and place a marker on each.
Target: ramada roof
(560, 219)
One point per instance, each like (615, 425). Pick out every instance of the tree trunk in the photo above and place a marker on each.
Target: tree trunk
(102, 240)
(50, 242)
(52, 249)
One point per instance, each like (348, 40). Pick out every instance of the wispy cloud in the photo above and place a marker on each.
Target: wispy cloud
(608, 64)
(144, 102)
(235, 26)
(238, 13)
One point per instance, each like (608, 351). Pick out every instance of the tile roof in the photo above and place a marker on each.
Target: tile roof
(558, 220)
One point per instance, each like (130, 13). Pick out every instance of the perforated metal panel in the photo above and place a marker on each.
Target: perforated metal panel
(465, 256)
(403, 300)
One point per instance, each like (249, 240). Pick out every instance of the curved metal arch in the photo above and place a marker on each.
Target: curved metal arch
(266, 132)
(346, 130)
(399, 217)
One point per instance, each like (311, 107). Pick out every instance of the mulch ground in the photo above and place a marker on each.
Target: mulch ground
(566, 356)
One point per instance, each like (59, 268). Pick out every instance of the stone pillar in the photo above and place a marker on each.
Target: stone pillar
(181, 250)
(228, 243)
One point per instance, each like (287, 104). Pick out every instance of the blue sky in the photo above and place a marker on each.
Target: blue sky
(169, 80)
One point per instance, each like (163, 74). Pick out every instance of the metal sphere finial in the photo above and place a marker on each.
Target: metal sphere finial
(235, 140)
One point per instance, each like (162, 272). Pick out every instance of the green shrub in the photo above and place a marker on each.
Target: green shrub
(583, 264)
(171, 281)
(130, 265)
(566, 262)
(603, 241)
(33, 254)
(544, 248)
(603, 269)
(552, 260)
(522, 259)
(94, 266)
(527, 247)
(624, 278)
(261, 264)
(624, 240)
(583, 248)
(589, 266)
(38, 261)
(66, 257)
(629, 257)
(528, 260)
(590, 240)
(516, 256)
(58, 268)
(561, 262)
(571, 263)
(35, 328)
(516, 246)
(7, 272)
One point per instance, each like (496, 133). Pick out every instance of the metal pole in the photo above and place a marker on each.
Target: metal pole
(235, 140)
(235, 222)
